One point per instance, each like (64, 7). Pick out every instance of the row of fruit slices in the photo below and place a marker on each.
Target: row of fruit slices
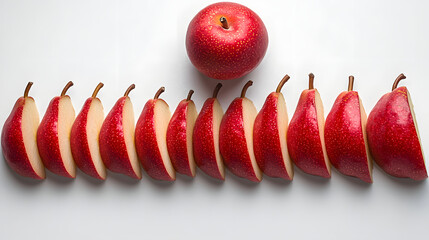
(246, 142)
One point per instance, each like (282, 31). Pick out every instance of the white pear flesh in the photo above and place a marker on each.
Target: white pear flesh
(93, 126)
(29, 125)
(162, 117)
(249, 115)
(128, 128)
(66, 116)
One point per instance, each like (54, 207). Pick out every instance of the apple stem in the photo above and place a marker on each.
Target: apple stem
(190, 95)
(310, 81)
(282, 82)
(351, 81)
(68, 85)
(224, 22)
(97, 89)
(216, 90)
(243, 92)
(27, 89)
(398, 79)
(160, 90)
(131, 87)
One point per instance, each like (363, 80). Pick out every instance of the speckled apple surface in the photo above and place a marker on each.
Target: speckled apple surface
(226, 53)
(393, 136)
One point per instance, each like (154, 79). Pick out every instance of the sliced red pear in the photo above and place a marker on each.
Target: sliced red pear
(269, 136)
(53, 135)
(345, 136)
(236, 138)
(84, 137)
(305, 137)
(151, 143)
(393, 135)
(206, 137)
(116, 141)
(18, 138)
(179, 137)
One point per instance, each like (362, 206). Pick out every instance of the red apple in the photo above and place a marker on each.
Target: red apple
(226, 40)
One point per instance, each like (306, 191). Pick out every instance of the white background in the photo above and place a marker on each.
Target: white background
(142, 42)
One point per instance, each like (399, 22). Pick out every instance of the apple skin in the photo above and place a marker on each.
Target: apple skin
(303, 138)
(147, 146)
(204, 142)
(232, 142)
(79, 142)
(48, 142)
(266, 139)
(344, 138)
(177, 138)
(230, 53)
(12, 142)
(393, 139)
(113, 149)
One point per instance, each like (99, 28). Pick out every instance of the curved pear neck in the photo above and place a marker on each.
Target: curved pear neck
(27, 89)
(282, 83)
(351, 82)
(216, 90)
(68, 85)
(97, 89)
(131, 87)
(397, 80)
(188, 98)
(160, 90)
(246, 86)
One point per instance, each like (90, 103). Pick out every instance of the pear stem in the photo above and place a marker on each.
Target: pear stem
(160, 90)
(190, 95)
(27, 89)
(69, 84)
(282, 82)
(224, 22)
(351, 81)
(243, 92)
(131, 87)
(216, 90)
(310, 81)
(97, 89)
(398, 79)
